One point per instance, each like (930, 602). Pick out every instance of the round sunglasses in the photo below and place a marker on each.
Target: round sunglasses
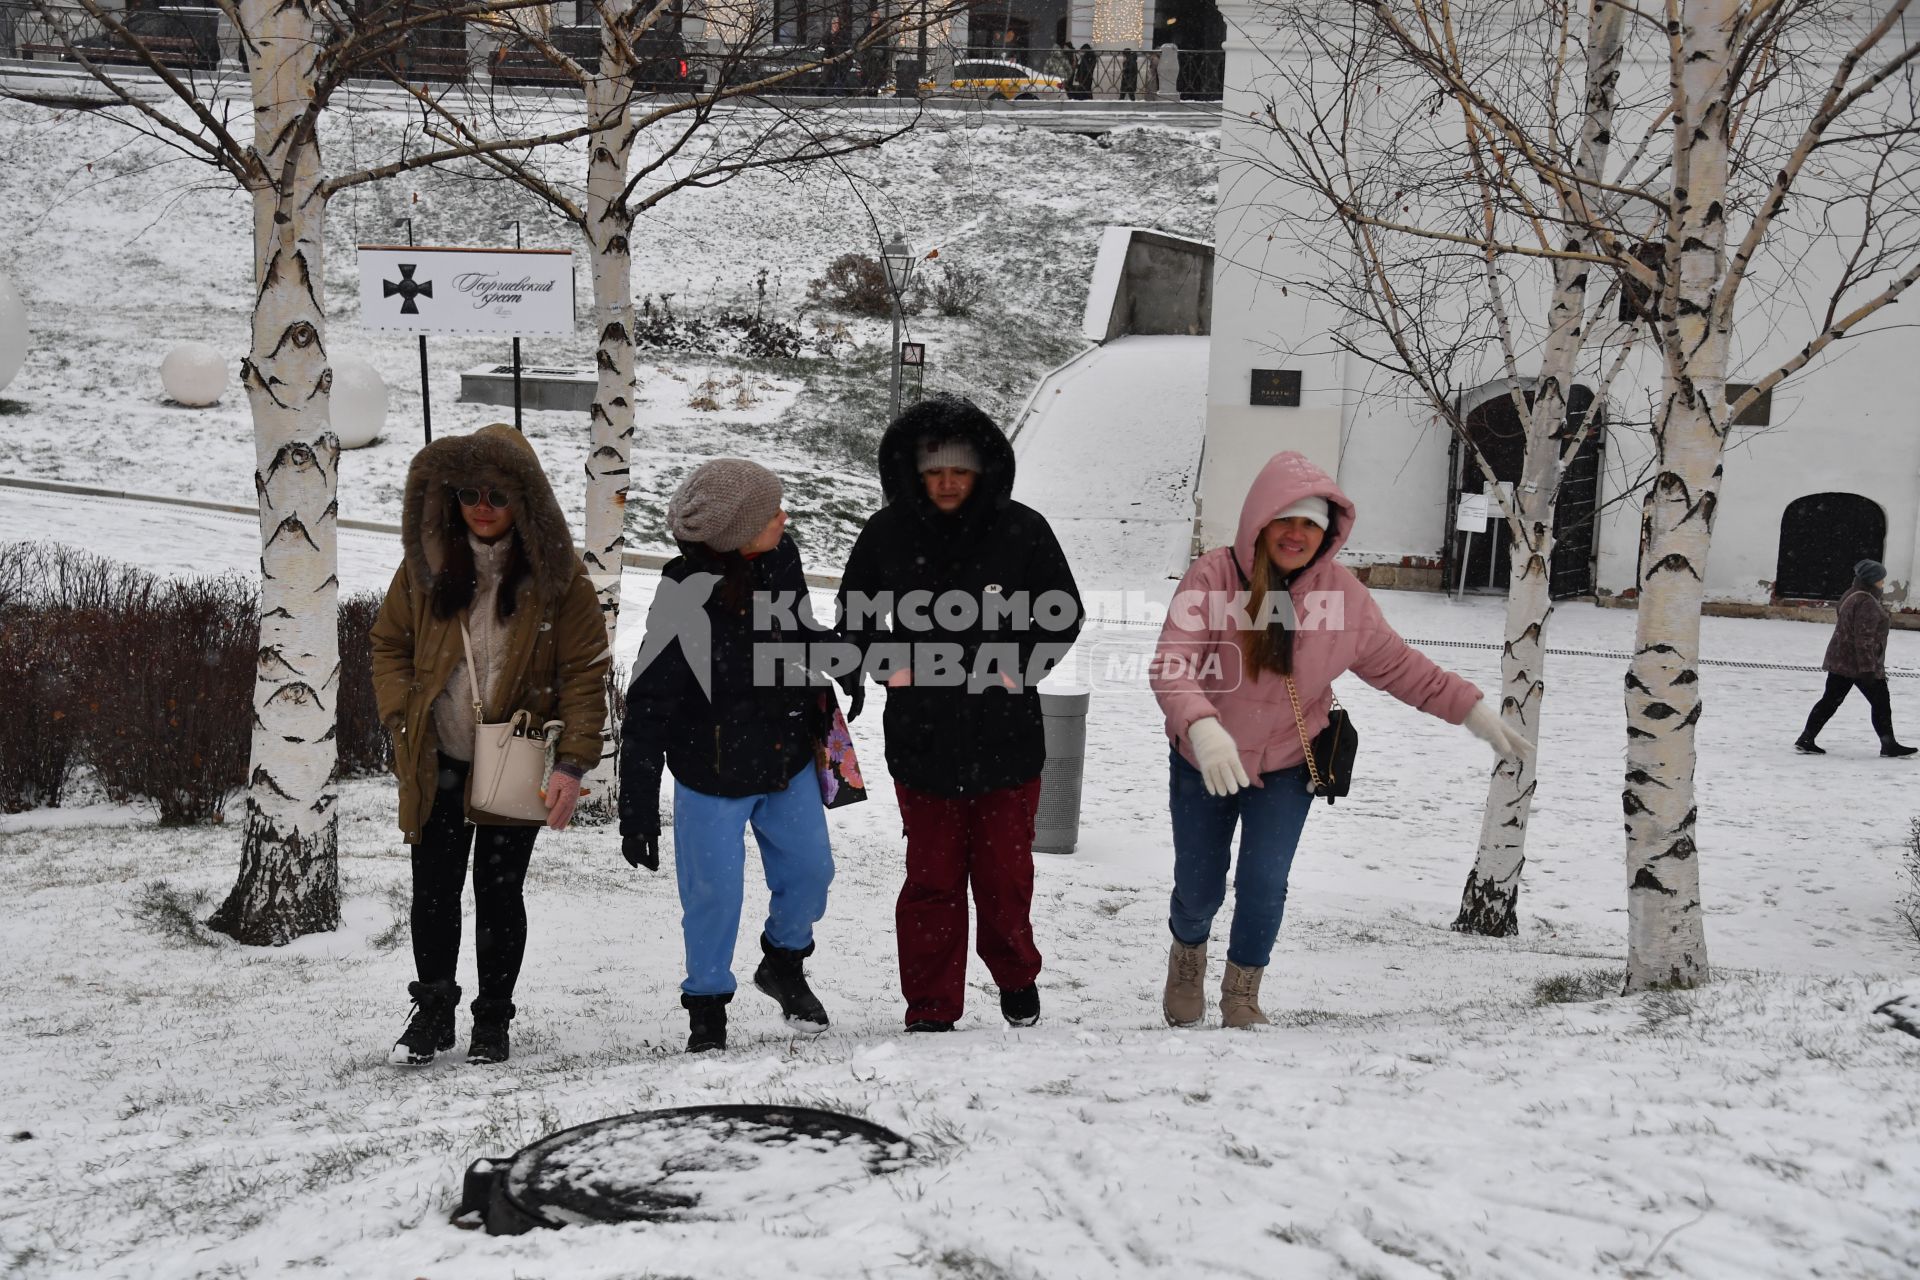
(471, 498)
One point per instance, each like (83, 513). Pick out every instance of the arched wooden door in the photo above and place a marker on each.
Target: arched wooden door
(1822, 536)
(1496, 429)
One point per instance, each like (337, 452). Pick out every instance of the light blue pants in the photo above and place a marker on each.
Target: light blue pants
(709, 860)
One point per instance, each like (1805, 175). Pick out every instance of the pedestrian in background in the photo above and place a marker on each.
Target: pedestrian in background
(1857, 659)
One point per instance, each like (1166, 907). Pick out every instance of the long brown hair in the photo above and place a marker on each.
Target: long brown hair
(456, 582)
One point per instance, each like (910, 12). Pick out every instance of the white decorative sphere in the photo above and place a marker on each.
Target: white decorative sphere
(13, 330)
(358, 405)
(194, 374)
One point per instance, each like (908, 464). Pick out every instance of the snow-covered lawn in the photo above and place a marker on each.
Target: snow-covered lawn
(179, 1106)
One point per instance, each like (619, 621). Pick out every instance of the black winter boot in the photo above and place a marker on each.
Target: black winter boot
(1890, 746)
(928, 1026)
(1808, 747)
(782, 975)
(1020, 1007)
(706, 1021)
(430, 1026)
(490, 1019)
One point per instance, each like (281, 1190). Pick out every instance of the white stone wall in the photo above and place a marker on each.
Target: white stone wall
(1850, 423)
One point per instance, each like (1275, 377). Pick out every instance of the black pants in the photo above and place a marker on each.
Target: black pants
(1874, 688)
(439, 874)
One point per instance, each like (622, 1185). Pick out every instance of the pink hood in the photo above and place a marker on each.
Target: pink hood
(1198, 673)
(1287, 478)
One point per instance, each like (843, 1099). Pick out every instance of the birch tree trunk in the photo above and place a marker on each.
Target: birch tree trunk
(1666, 930)
(1490, 902)
(608, 226)
(289, 878)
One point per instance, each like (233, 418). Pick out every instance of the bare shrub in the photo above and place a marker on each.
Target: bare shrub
(957, 290)
(52, 599)
(858, 283)
(172, 720)
(365, 749)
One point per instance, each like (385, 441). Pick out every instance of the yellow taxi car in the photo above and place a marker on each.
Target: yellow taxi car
(995, 78)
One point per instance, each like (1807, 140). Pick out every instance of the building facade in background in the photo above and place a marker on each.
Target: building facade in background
(1823, 473)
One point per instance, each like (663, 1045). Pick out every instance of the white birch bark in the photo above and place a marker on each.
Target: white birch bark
(1666, 929)
(288, 883)
(608, 226)
(1490, 902)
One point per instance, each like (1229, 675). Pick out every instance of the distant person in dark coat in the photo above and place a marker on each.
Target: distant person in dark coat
(1129, 74)
(1857, 659)
(962, 600)
(1081, 86)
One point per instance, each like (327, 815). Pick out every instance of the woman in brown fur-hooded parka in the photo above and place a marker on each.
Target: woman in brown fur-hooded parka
(485, 542)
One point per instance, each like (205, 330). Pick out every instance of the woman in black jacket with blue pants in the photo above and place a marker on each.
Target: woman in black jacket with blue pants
(739, 742)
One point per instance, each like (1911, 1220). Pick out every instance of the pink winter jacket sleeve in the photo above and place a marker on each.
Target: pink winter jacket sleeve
(1187, 645)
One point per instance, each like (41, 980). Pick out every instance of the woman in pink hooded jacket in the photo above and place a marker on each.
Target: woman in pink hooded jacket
(1227, 653)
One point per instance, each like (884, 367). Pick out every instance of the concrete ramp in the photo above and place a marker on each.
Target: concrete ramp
(1109, 452)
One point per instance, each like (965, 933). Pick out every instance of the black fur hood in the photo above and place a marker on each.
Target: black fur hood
(945, 417)
(499, 457)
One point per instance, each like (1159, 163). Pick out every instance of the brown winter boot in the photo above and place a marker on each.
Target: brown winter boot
(1240, 997)
(1185, 1000)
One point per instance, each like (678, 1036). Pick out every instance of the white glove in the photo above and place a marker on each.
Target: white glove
(1485, 724)
(1219, 759)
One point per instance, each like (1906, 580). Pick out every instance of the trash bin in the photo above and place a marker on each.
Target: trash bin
(906, 77)
(1056, 827)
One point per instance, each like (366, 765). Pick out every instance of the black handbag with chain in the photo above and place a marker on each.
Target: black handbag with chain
(1331, 752)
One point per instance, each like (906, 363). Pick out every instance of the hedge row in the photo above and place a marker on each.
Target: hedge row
(147, 682)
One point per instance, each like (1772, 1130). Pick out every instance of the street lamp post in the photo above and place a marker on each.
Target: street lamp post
(899, 263)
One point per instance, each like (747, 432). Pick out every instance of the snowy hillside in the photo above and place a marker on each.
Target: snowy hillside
(124, 248)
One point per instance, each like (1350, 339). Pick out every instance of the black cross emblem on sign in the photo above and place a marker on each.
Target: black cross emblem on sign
(408, 289)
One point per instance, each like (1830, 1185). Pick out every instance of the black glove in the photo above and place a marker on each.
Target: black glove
(856, 699)
(641, 851)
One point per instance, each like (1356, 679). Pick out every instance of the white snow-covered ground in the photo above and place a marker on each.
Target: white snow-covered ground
(178, 1106)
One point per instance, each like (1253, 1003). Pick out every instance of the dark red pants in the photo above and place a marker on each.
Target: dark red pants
(985, 840)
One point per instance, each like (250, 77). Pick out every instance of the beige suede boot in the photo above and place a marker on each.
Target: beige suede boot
(1240, 997)
(1185, 1000)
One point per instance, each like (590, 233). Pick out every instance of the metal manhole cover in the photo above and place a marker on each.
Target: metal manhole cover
(686, 1164)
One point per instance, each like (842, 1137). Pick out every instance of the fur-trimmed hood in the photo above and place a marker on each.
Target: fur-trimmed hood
(499, 457)
(945, 417)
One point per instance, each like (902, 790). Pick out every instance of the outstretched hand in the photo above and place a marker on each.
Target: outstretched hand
(1507, 743)
(1218, 756)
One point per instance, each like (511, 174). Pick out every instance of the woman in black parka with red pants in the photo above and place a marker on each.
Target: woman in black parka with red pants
(965, 754)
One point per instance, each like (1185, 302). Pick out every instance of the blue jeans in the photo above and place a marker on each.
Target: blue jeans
(1270, 818)
(709, 861)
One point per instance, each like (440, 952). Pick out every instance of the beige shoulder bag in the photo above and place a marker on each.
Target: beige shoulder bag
(510, 764)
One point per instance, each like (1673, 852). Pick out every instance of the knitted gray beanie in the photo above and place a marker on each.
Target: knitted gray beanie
(724, 503)
(948, 453)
